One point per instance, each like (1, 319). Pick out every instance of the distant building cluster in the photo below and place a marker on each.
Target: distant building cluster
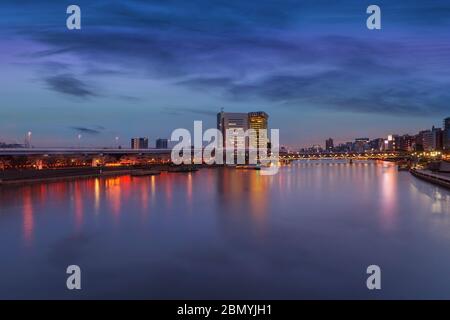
(434, 139)
(10, 145)
(142, 143)
(139, 143)
(26, 144)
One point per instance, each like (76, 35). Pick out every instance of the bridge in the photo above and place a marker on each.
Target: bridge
(122, 151)
(391, 155)
(39, 158)
(79, 151)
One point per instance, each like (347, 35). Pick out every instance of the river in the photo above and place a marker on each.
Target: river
(308, 232)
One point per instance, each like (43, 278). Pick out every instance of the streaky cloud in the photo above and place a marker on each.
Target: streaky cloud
(69, 85)
(86, 130)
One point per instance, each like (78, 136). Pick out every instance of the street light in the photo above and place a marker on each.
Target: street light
(28, 142)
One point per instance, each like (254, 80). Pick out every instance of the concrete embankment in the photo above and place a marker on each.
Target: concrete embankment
(440, 179)
(18, 177)
(28, 176)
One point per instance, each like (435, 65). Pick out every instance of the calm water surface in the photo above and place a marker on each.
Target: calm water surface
(308, 232)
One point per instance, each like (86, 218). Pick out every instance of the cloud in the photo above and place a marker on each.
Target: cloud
(200, 83)
(89, 131)
(129, 98)
(69, 85)
(346, 74)
(346, 91)
(184, 110)
(285, 52)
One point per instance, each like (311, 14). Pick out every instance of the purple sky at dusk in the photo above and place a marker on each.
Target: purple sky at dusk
(144, 68)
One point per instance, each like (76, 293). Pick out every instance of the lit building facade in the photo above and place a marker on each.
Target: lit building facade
(427, 140)
(233, 125)
(236, 124)
(391, 143)
(361, 144)
(419, 140)
(407, 143)
(432, 139)
(257, 121)
(376, 144)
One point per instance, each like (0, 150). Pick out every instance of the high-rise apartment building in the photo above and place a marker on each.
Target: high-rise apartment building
(419, 140)
(161, 143)
(234, 123)
(427, 140)
(432, 139)
(139, 143)
(406, 143)
(329, 144)
(392, 143)
(257, 122)
(376, 144)
(361, 144)
(238, 123)
(446, 134)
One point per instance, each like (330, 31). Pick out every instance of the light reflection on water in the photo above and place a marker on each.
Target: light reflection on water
(308, 232)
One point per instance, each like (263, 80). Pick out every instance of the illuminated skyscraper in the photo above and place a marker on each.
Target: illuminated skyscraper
(258, 136)
(234, 123)
(237, 124)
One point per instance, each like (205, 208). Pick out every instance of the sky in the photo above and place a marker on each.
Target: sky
(145, 68)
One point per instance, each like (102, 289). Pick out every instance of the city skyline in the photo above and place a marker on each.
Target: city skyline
(140, 69)
(156, 141)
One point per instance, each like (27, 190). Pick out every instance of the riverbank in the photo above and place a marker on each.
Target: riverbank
(440, 179)
(21, 177)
